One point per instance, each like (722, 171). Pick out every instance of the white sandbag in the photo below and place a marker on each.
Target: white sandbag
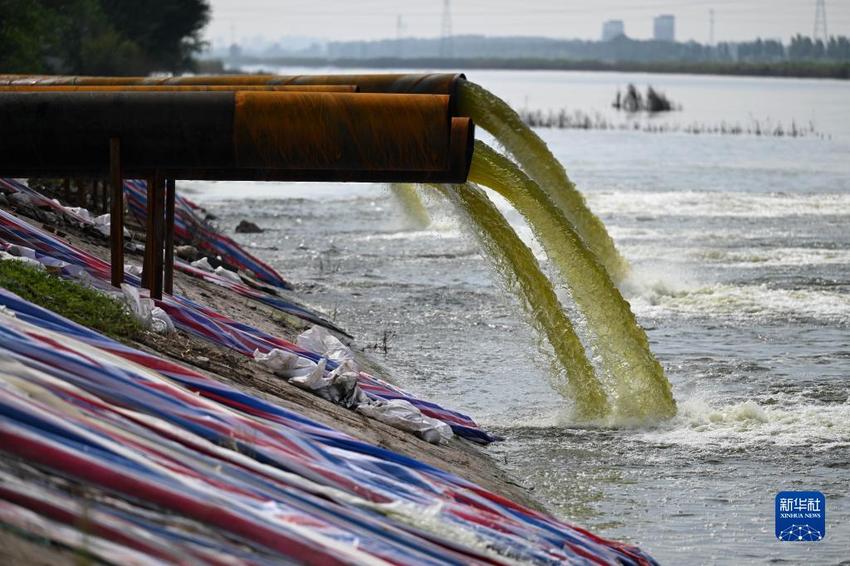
(22, 251)
(79, 211)
(5, 256)
(314, 379)
(345, 389)
(145, 311)
(161, 323)
(287, 364)
(319, 340)
(45, 262)
(227, 274)
(103, 223)
(339, 386)
(403, 415)
(203, 264)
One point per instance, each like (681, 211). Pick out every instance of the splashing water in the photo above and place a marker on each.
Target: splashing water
(635, 381)
(521, 274)
(497, 117)
(414, 210)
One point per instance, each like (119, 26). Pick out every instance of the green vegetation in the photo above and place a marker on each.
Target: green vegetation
(100, 36)
(69, 299)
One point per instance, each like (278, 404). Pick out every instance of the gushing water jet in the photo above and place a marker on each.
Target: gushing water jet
(533, 155)
(414, 208)
(636, 383)
(521, 274)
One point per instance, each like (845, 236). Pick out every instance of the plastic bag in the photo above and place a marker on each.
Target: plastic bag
(403, 415)
(103, 224)
(81, 212)
(203, 264)
(287, 364)
(339, 386)
(227, 274)
(319, 340)
(344, 389)
(144, 309)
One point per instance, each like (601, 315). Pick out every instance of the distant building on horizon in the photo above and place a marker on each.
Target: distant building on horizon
(612, 29)
(664, 28)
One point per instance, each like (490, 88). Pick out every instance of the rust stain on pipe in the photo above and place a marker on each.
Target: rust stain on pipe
(462, 145)
(311, 136)
(325, 131)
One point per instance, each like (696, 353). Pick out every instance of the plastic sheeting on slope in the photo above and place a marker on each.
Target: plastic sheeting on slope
(160, 434)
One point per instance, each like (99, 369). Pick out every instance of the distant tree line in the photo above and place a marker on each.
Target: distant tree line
(118, 37)
(801, 48)
(618, 50)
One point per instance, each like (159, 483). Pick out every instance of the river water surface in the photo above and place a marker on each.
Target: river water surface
(740, 247)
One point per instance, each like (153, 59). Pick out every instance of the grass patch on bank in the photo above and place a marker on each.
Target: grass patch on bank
(73, 301)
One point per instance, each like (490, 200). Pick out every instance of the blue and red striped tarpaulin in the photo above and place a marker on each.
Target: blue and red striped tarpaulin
(213, 326)
(271, 483)
(190, 228)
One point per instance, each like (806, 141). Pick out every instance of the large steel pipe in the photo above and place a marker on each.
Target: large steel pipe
(236, 135)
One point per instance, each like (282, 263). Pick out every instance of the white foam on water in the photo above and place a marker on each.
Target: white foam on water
(753, 257)
(787, 421)
(206, 191)
(778, 257)
(437, 234)
(772, 257)
(683, 297)
(662, 204)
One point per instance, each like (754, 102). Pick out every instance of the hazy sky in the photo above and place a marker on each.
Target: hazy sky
(372, 19)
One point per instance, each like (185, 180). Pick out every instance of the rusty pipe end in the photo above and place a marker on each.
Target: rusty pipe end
(461, 146)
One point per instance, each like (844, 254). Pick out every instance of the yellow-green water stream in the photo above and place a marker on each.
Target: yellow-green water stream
(497, 117)
(573, 375)
(634, 380)
(414, 209)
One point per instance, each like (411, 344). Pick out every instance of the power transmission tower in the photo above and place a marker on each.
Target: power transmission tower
(711, 27)
(446, 30)
(820, 21)
(399, 35)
